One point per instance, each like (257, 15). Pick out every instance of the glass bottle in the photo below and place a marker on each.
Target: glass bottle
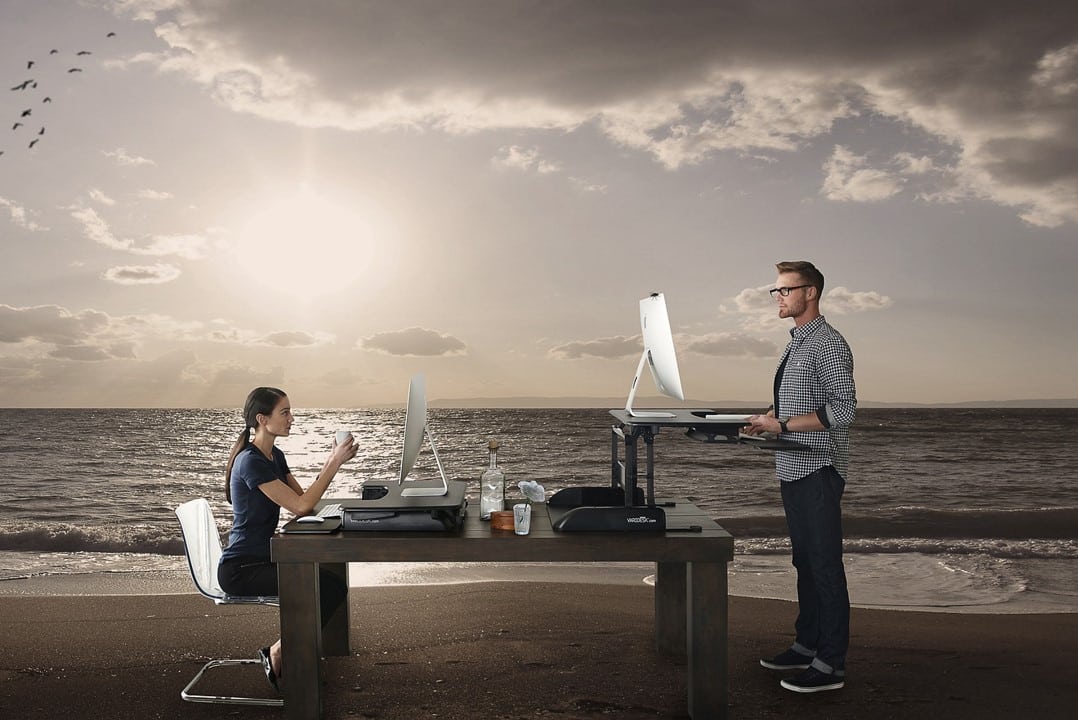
(492, 486)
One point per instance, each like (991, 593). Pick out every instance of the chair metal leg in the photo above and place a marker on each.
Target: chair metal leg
(187, 695)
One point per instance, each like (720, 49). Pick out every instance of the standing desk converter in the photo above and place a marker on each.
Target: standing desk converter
(690, 590)
(630, 429)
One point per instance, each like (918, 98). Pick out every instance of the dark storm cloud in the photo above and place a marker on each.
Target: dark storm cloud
(998, 81)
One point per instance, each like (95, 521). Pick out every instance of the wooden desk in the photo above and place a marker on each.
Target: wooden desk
(690, 589)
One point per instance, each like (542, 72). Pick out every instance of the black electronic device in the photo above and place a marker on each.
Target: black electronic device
(603, 509)
(618, 518)
(392, 511)
(374, 492)
(590, 496)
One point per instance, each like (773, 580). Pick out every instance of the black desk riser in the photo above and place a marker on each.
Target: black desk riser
(623, 505)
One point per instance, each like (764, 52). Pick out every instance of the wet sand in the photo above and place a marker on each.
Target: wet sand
(518, 650)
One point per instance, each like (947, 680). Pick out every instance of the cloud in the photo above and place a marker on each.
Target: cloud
(121, 157)
(998, 86)
(414, 341)
(240, 376)
(729, 345)
(1057, 71)
(42, 336)
(87, 336)
(621, 346)
(759, 313)
(222, 331)
(50, 324)
(142, 274)
(148, 194)
(293, 338)
(80, 353)
(588, 186)
(95, 228)
(99, 196)
(842, 301)
(607, 348)
(515, 157)
(20, 217)
(751, 300)
(848, 179)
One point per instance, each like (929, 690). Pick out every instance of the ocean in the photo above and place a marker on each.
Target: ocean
(946, 509)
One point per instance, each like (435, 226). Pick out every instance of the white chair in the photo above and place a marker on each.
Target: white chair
(203, 547)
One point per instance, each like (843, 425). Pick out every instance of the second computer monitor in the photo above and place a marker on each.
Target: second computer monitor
(415, 429)
(658, 354)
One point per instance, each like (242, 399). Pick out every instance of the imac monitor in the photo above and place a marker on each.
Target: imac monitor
(658, 354)
(415, 428)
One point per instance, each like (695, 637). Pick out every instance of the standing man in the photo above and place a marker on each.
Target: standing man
(815, 403)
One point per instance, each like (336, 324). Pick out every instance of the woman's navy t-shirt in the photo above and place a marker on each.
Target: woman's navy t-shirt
(254, 515)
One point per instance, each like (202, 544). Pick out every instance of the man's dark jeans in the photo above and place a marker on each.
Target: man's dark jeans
(814, 518)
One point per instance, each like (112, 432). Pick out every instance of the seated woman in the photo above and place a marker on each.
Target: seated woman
(258, 483)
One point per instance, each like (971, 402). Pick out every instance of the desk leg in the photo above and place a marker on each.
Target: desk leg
(707, 616)
(301, 641)
(335, 633)
(670, 610)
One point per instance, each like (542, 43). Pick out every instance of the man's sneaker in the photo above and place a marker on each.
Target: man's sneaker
(788, 660)
(813, 680)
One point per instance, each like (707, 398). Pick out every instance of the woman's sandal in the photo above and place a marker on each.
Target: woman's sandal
(267, 667)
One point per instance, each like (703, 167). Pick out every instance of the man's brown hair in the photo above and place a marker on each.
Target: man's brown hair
(806, 270)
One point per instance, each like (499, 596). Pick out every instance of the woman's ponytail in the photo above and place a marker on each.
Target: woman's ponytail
(240, 444)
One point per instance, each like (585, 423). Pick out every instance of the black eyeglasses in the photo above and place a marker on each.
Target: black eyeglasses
(785, 291)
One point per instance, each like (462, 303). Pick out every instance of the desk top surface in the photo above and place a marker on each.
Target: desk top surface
(682, 417)
(477, 542)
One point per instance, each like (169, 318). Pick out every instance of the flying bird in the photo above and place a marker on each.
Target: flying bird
(53, 51)
(84, 52)
(23, 85)
(47, 99)
(16, 126)
(111, 34)
(33, 142)
(75, 70)
(41, 131)
(29, 64)
(26, 113)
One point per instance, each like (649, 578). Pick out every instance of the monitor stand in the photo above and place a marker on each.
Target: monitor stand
(632, 395)
(438, 490)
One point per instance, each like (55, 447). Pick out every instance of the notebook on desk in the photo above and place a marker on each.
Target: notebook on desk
(327, 526)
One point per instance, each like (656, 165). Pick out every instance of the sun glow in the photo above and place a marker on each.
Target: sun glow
(312, 244)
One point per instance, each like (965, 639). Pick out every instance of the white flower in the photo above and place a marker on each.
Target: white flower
(532, 490)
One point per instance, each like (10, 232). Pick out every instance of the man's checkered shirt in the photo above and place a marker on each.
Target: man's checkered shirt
(818, 378)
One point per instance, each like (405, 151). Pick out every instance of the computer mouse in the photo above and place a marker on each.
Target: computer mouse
(310, 519)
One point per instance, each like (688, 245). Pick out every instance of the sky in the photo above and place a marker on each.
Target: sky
(330, 197)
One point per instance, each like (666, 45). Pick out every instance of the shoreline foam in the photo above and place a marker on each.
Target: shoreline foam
(886, 582)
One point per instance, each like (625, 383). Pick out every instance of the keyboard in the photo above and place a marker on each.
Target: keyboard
(330, 511)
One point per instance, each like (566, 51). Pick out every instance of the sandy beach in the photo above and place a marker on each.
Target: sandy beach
(516, 650)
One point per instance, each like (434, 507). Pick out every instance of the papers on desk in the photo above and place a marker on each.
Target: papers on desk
(720, 417)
